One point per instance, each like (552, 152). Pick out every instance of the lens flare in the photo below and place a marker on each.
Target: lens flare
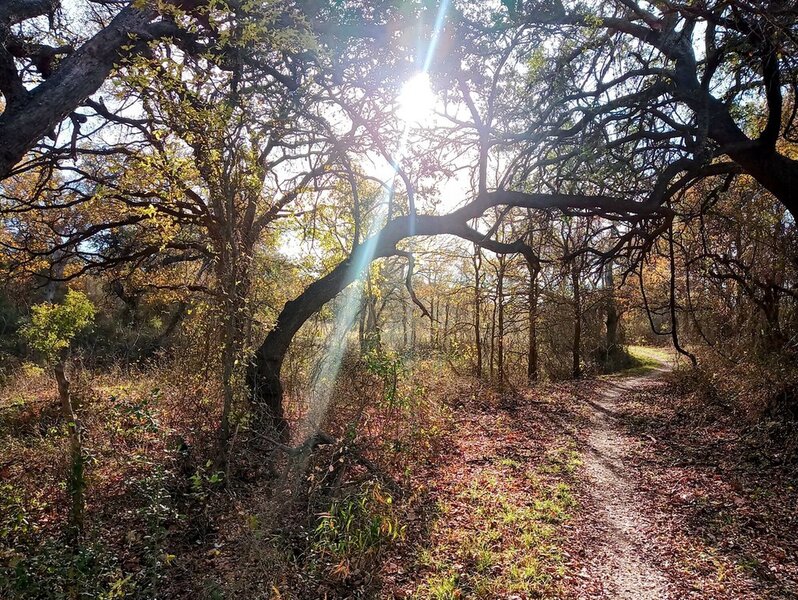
(415, 103)
(416, 100)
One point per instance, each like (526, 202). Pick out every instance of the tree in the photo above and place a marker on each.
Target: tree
(477, 264)
(737, 270)
(264, 374)
(43, 84)
(677, 101)
(191, 170)
(220, 145)
(50, 332)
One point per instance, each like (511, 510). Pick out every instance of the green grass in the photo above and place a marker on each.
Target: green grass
(508, 542)
(564, 459)
(444, 588)
(647, 359)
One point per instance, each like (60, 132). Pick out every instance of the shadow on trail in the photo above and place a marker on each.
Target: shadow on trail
(720, 486)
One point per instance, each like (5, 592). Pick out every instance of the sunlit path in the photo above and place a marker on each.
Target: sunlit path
(623, 566)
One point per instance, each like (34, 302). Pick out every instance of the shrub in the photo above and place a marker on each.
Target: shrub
(350, 536)
(52, 326)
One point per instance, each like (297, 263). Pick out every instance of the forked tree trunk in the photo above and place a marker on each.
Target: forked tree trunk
(477, 261)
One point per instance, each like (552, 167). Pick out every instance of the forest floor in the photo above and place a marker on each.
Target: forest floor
(614, 487)
(644, 484)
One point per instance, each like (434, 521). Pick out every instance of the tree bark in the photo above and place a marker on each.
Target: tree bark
(492, 355)
(672, 304)
(532, 312)
(576, 368)
(76, 482)
(500, 320)
(477, 261)
(432, 322)
(26, 121)
(445, 334)
(612, 339)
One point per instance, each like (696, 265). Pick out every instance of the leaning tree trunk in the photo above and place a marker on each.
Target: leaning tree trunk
(38, 112)
(266, 389)
(263, 376)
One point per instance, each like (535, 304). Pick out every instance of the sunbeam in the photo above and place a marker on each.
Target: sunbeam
(415, 104)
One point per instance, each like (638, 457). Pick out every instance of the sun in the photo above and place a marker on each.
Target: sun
(416, 99)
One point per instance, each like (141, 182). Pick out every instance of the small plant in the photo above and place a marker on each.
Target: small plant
(50, 332)
(351, 535)
(31, 370)
(562, 460)
(388, 366)
(15, 524)
(204, 480)
(444, 588)
(157, 511)
(54, 570)
(53, 326)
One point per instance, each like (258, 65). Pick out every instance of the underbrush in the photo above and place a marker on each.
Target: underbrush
(759, 397)
(723, 441)
(349, 537)
(145, 436)
(386, 422)
(162, 520)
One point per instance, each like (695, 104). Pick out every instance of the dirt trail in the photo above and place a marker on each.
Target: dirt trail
(621, 566)
(585, 490)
